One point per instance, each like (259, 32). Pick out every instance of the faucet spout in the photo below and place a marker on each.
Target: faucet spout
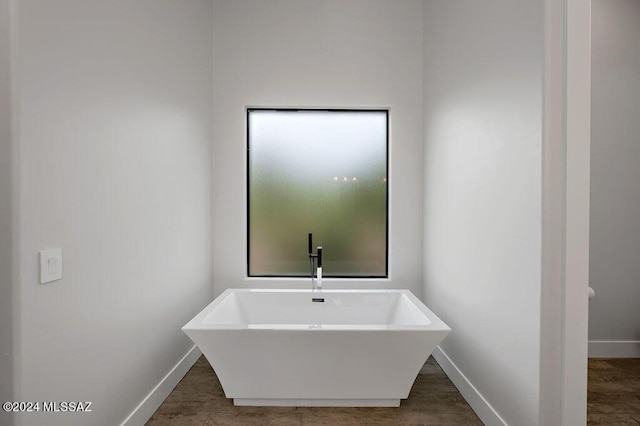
(318, 285)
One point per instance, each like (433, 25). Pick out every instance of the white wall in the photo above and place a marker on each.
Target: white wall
(614, 318)
(483, 120)
(6, 204)
(318, 53)
(115, 109)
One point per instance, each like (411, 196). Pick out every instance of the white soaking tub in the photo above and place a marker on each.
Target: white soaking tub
(357, 348)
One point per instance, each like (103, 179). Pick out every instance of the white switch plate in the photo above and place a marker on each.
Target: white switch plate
(50, 265)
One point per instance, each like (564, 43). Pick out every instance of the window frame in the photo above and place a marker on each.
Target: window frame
(248, 111)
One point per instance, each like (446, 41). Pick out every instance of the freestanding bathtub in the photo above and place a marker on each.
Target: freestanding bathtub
(357, 348)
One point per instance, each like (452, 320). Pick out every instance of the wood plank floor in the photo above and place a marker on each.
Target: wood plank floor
(613, 399)
(199, 400)
(613, 392)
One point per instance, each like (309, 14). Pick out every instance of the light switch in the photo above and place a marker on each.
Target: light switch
(50, 265)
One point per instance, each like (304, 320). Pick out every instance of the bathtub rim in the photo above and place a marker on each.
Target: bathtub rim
(436, 324)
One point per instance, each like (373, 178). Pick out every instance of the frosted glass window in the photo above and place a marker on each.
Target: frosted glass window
(318, 171)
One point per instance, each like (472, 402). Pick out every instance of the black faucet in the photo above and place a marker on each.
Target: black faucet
(316, 284)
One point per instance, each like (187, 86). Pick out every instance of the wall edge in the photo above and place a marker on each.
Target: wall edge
(483, 409)
(150, 403)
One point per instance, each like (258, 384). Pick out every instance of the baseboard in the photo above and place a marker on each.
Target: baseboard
(614, 349)
(488, 415)
(143, 412)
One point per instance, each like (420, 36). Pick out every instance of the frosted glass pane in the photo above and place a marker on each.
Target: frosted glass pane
(323, 172)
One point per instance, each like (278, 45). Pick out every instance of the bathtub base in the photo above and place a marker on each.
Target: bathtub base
(271, 402)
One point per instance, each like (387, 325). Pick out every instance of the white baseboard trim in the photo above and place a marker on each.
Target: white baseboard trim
(614, 349)
(488, 415)
(143, 412)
